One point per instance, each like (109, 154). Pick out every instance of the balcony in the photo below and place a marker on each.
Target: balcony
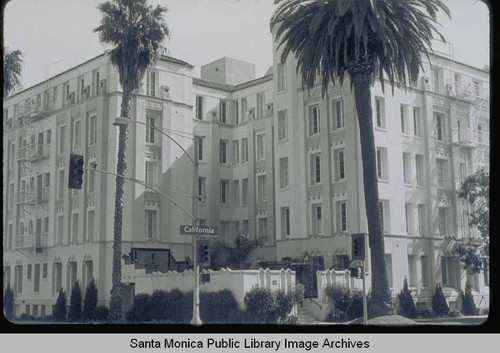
(42, 195)
(27, 196)
(469, 90)
(41, 241)
(33, 152)
(23, 241)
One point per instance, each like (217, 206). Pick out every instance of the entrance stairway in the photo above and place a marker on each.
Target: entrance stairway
(305, 318)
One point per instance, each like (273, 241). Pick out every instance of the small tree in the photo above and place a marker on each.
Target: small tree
(90, 302)
(406, 303)
(283, 304)
(260, 305)
(439, 304)
(8, 302)
(233, 255)
(60, 307)
(468, 305)
(75, 303)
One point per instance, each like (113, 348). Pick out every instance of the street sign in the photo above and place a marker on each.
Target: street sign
(199, 230)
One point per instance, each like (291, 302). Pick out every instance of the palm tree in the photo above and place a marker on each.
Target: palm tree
(136, 30)
(362, 38)
(12, 67)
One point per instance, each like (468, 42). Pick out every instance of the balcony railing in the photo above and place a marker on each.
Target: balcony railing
(41, 241)
(42, 195)
(468, 90)
(27, 196)
(33, 152)
(23, 241)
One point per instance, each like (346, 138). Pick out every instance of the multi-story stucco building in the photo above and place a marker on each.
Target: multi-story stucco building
(275, 161)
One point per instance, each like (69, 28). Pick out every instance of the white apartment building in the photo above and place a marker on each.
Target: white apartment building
(275, 161)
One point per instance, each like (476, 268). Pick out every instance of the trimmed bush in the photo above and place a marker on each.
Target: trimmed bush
(140, 311)
(219, 307)
(59, 313)
(101, 313)
(355, 307)
(407, 306)
(468, 305)
(298, 293)
(8, 302)
(283, 304)
(425, 313)
(260, 306)
(454, 313)
(439, 305)
(90, 302)
(75, 303)
(340, 297)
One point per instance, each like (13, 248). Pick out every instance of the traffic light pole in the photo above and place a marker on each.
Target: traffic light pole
(365, 306)
(196, 320)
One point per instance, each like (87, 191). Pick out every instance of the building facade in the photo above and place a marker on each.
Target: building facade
(274, 162)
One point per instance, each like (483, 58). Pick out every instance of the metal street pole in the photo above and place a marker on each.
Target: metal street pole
(196, 320)
(365, 306)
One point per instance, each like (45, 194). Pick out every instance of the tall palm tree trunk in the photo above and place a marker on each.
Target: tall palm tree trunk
(381, 303)
(121, 168)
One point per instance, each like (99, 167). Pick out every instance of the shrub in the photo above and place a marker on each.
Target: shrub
(439, 305)
(260, 305)
(140, 311)
(425, 313)
(484, 311)
(454, 313)
(75, 303)
(298, 293)
(355, 306)
(468, 305)
(407, 306)
(340, 297)
(90, 302)
(218, 307)
(8, 302)
(291, 320)
(59, 313)
(100, 313)
(283, 304)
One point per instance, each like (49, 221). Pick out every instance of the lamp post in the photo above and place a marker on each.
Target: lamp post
(196, 320)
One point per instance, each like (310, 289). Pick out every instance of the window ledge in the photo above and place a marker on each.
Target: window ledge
(382, 180)
(381, 129)
(408, 185)
(283, 140)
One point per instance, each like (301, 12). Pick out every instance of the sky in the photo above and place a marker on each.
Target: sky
(56, 35)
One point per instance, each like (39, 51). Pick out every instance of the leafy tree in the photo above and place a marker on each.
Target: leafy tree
(406, 303)
(75, 303)
(476, 189)
(362, 38)
(468, 304)
(12, 68)
(90, 302)
(233, 255)
(8, 302)
(439, 304)
(136, 30)
(59, 312)
(260, 305)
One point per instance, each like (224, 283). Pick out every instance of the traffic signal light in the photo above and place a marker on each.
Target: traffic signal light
(75, 178)
(204, 253)
(358, 246)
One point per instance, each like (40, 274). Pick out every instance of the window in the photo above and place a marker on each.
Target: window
(28, 272)
(90, 181)
(200, 149)
(261, 147)
(96, 81)
(341, 210)
(317, 217)
(49, 137)
(45, 228)
(18, 279)
(262, 228)
(92, 130)
(421, 220)
(45, 270)
(407, 168)
(384, 215)
(56, 278)
(443, 221)
(283, 172)
(285, 221)
(244, 230)
(61, 184)
(201, 186)
(338, 113)
(74, 233)
(425, 268)
(340, 262)
(261, 189)
(150, 224)
(72, 274)
(223, 151)
(223, 112)
(236, 112)
(199, 107)
(441, 173)
(244, 112)
(382, 163)
(261, 102)
(60, 229)
(435, 79)
(54, 93)
(419, 167)
(314, 120)
(404, 123)
(408, 218)
(223, 191)
(339, 164)
(315, 169)
(36, 282)
(150, 173)
(90, 225)
(12, 158)
(236, 192)
(416, 122)
(388, 265)
(244, 150)
(282, 125)
(244, 191)
(477, 88)
(150, 83)
(150, 129)
(77, 138)
(380, 112)
(412, 271)
(439, 132)
(450, 271)
(62, 138)
(281, 77)
(480, 133)
(224, 229)
(236, 152)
